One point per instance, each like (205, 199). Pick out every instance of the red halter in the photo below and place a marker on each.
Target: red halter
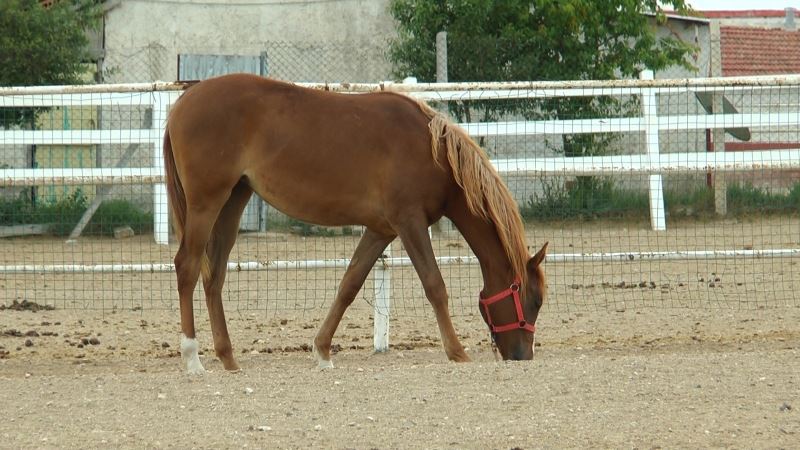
(512, 291)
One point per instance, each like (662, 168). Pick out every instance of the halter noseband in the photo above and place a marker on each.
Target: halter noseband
(513, 292)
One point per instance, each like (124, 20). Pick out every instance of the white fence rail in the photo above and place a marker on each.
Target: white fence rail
(388, 262)
(139, 95)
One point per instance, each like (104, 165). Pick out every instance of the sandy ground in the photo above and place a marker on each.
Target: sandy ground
(643, 354)
(642, 379)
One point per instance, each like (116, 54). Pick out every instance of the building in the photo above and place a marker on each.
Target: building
(301, 41)
(759, 42)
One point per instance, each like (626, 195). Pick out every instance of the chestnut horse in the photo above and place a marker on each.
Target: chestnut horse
(381, 160)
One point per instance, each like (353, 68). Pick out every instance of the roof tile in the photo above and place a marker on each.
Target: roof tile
(759, 51)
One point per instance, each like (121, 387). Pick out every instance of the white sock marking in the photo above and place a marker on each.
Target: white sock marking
(321, 363)
(190, 357)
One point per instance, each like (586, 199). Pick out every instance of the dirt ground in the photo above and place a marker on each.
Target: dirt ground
(641, 355)
(642, 379)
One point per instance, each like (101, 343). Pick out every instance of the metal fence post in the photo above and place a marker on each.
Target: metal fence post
(650, 118)
(718, 134)
(441, 57)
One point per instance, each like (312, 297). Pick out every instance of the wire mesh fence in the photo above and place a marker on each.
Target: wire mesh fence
(648, 200)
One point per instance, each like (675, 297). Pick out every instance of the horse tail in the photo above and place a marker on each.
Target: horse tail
(486, 194)
(177, 198)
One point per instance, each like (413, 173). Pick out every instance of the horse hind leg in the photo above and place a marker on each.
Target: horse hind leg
(188, 260)
(223, 236)
(367, 252)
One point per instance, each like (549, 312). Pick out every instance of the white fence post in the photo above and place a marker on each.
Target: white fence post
(650, 122)
(382, 285)
(160, 205)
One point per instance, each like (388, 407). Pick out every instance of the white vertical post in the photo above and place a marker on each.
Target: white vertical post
(650, 119)
(160, 205)
(382, 280)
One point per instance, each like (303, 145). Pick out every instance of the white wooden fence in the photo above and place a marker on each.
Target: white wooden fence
(159, 97)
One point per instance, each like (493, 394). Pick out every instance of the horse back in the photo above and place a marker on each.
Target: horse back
(320, 156)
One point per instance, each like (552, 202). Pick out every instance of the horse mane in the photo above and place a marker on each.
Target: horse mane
(486, 194)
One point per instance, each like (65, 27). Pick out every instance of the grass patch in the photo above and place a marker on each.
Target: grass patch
(62, 215)
(747, 199)
(117, 213)
(600, 199)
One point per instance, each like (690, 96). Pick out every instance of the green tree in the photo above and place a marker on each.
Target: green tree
(513, 40)
(44, 45)
(497, 40)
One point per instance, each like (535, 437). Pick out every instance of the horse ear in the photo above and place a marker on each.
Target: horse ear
(538, 257)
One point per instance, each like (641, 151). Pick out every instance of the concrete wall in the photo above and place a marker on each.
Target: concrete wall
(691, 31)
(144, 38)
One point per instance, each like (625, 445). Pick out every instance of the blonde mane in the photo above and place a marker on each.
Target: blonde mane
(487, 196)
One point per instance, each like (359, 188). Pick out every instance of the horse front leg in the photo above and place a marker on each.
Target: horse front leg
(417, 244)
(367, 252)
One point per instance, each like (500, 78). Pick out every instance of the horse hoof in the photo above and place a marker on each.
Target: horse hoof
(324, 364)
(462, 358)
(231, 365)
(189, 355)
(195, 369)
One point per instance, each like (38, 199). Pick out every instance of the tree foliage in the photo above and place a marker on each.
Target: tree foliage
(44, 45)
(520, 40)
(499, 40)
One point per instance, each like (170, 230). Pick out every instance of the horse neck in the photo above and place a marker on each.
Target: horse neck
(481, 235)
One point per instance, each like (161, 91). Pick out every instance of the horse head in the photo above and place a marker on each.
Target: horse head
(511, 314)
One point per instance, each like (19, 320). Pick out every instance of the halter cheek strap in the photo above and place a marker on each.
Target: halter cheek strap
(513, 292)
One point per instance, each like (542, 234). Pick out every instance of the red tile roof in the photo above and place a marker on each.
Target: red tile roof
(759, 51)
